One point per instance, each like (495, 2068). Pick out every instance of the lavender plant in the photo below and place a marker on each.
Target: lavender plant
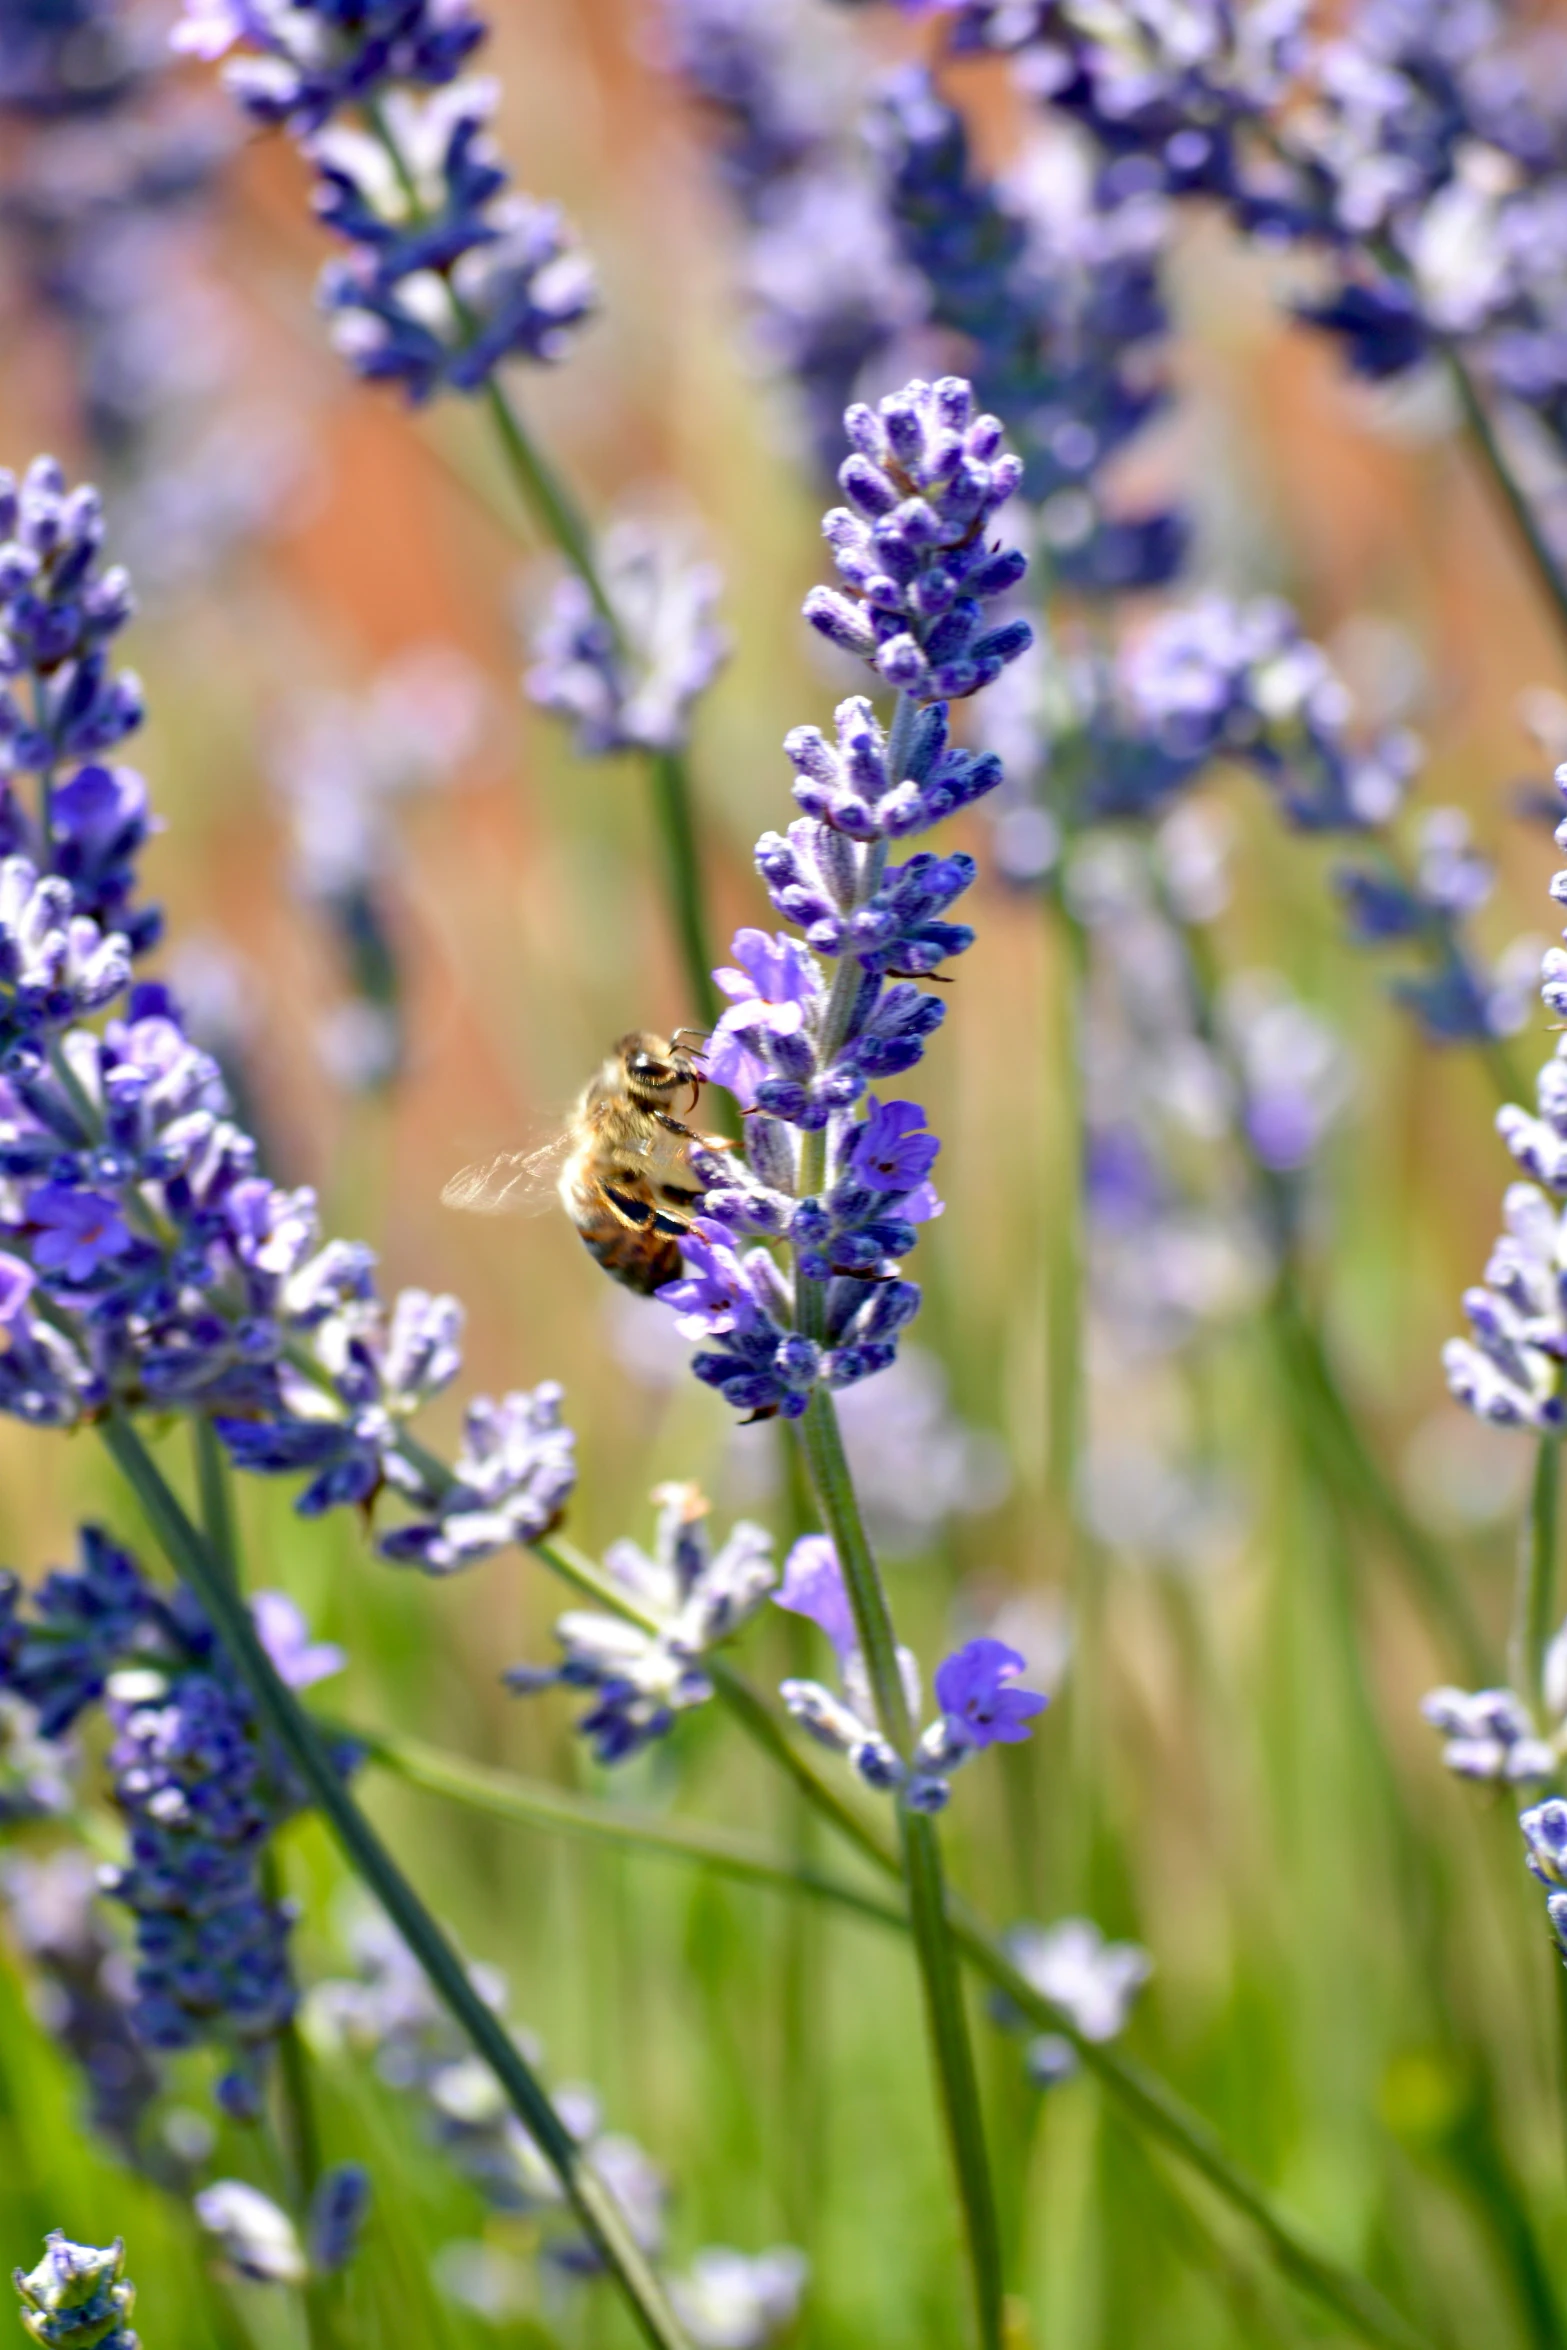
(152, 1273)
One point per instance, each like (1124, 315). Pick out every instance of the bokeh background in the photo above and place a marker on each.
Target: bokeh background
(1351, 1977)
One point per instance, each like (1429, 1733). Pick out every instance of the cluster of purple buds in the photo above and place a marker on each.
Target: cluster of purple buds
(145, 1261)
(1415, 150)
(1064, 314)
(1175, 88)
(1545, 1837)
(688, 1599)
(926, 477)
(631, 683)
(1457, 999)
(300, 64)
(201, 1786)
(798, 1051)
(78, 2298)
(62, 705)
(976, 1689)
(1508, 1370)
(61, 59)
(828, 293)
(1213, 682)
(450, 272)
(1489, 1734)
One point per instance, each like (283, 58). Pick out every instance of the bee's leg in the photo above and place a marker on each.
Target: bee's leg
(674, 1126)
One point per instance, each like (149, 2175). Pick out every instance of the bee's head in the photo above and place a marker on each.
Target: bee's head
(655, 1068)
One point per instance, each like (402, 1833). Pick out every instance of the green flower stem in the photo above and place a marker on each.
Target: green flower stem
(671, 784)
(1147, 2101)
(533, 1803)
(1534, 1601)
(216, 1498)
(556, 515)
(595, 2207)
(1520, 511)
(940, 1979)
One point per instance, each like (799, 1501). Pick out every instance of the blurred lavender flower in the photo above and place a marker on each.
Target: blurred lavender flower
(255, 2238)
(67, 57)
(927, 475)
(300, 63)
(35, 1772)
(107, 167)
(1414, 152)
(1055, 288)
(829, 295)
(1213, 682)
(342, 766)
(338, 2210)
(449, 272)
(738, 2301)
(631, 686)
(85, 1991)
(78, 2298)
(640, 1680)
(1093, 1982)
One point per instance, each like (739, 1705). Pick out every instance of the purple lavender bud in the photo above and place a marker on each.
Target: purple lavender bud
(840, 620)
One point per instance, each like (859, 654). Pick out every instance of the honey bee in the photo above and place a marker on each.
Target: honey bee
(621, 1169)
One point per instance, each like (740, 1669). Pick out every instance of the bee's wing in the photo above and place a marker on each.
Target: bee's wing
(516, 1183)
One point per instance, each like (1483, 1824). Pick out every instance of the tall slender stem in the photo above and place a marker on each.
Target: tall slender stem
(596, 2209)
(557, 515)
(945, 2018)
(683, 879)
(1520, 509)
(216, 1498)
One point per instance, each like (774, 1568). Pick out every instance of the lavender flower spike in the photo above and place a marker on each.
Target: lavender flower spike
(799, 1049)
(641, 1679)
(1509, 1368)
(78, 2298)
(925, 477)
(974, 1688)
(449, 271)
(632, 687)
